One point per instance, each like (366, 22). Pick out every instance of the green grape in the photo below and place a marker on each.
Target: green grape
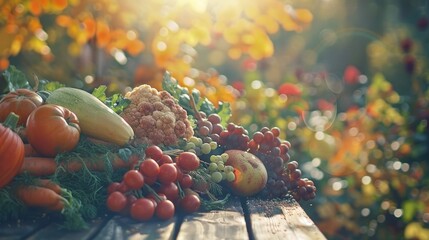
(224, 157)
(228, 169)
(200, 141)
(216, 177)
(205, 148)
(220, 166)
(194, 140)
(212, 167)
(230, 176)
(213, 145)
(190, 145)
(223, 175)
(215, 158)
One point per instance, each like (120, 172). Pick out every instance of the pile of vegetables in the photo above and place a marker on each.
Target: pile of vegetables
(77, 155)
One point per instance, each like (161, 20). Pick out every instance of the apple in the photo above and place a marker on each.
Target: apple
(250, 173)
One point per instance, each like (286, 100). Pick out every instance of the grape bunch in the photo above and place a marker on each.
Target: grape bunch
(208, 127)
(158, 187)
(217, 169)
(234, 137)
(197, 146)
(284, 177)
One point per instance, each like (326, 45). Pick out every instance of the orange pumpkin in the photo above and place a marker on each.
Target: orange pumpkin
(22, 102)
(11, 151)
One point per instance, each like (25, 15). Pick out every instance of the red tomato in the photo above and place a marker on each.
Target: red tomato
(22, 102)
(186, 181)
(149, 168)
(116, 201)
(52, 129)
(134, 179)
(165, 159)
(11, 153)
(142, 210)
(190, 203)
(154, 152)
(165, 210)
(123, 188)
(188, 161)
(167, 173)
(114, 186)
(170, 190)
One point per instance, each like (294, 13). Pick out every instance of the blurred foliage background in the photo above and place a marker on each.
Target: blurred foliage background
(346, 80)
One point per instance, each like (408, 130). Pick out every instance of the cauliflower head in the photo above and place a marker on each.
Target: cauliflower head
(156, 117)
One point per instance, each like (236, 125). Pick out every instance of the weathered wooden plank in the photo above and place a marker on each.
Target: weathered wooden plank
(281, 220)
(220, 224)
(119, 228)
(53, 231)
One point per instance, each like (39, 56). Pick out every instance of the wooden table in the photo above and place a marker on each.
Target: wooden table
(241, 219)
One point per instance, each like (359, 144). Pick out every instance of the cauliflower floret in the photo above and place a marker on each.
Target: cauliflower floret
(156, 117)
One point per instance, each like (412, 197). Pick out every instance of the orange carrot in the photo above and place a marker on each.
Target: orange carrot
(44, 166)
(57, 207)
(34, 196)
(29, 151)
(38, 166)
(47, 183)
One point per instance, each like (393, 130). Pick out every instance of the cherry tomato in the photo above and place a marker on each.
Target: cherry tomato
(142, 209)
(186, 181)
(52, 129)
(165, 210)
(167, 173)
(154, 152)
(165, 159)
(190, 203)
(188, 161)
(116, 201)
(123, 188)
(170, 190)
(149, 168)
(134, 179)
(114, 186)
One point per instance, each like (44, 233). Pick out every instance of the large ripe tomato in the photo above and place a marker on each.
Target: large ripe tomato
(22, 102)
(52, 129)
(11, 153)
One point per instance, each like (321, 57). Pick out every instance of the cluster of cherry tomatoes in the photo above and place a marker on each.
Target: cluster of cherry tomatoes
(158, 187)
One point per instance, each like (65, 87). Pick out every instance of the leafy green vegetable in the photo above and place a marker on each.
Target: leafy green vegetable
(15, 79)
(116, 102)
(203, 104)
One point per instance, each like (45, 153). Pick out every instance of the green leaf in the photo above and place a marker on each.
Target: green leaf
(15, 79)
(117, 102)
(170, 85)
(224, 111)
(100, 93)
(49, 86)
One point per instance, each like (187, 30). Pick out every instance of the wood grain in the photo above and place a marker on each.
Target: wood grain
(53, 231)
(225, 224)
(119, 228)
(281, 220)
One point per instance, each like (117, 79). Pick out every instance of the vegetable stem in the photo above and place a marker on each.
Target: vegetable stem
(11, 121)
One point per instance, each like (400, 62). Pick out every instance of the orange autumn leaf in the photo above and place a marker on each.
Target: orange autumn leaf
(35, 7)
(134, 47)
(63, 20)
(90, 26)
(102, 34)
(60, 4)
(4, 64)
